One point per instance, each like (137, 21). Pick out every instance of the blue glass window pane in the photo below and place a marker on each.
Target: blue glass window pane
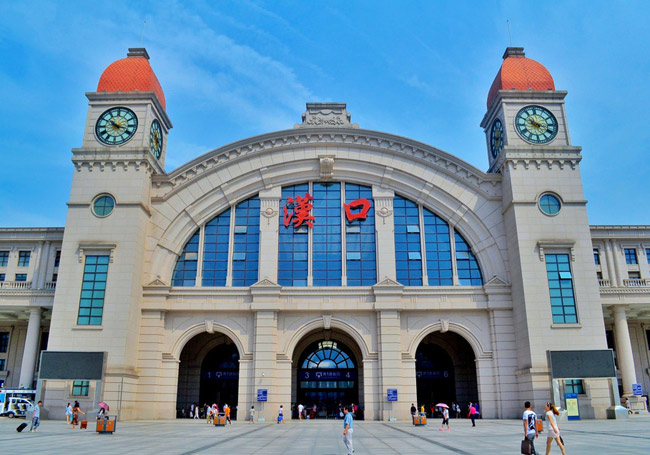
(549, 204)
(469, 273)
(246, 242)
(630, 256)
(93, 284)
(407, 241)
(185, 269)
(360, 237)
(326, 237)
(563, 305)
(293, 243)
(215, 250)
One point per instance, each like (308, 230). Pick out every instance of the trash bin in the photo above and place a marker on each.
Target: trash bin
(220, 421)
(420, 419)
(107, 424)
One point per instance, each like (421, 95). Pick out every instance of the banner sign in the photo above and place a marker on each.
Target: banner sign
(262, 395)
(637, 390)
(391, 394)
(322, 374)
(221, 374)
(431, 374)
(573, 411)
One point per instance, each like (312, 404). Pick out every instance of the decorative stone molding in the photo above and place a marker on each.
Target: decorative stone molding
(330, 115)
(158, 282)
(444, 325)
(209, 326)
(340, 137)
(383, 207)
(559, 245)
(102, 159)
(85, 248)
(327, 321)
(326, 167)
(496, 281)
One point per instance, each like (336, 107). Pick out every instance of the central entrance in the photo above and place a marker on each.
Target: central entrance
(326, 375)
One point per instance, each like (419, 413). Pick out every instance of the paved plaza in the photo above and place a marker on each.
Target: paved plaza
(187, 437)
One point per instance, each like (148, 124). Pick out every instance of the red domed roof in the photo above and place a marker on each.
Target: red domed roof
(131, 74)
(520, 73)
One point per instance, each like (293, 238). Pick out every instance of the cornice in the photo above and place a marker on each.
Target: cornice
(129, 98)
(545, 156)
(328, 137)
(104, 158)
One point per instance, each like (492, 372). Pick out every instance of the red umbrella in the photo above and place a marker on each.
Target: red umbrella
(441, 405)
(103, 405)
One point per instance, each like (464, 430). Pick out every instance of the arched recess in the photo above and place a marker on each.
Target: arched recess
(461, 189)
(479, 351)
(327, 386)
(209, 327)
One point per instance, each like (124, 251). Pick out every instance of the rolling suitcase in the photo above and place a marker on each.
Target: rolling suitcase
(21, 427)
(83, 425)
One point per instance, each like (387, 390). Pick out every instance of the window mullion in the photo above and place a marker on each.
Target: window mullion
(310, 236)
(344, 240)
(423, 247)
(199, 260)
(231, 244)
(454, 265)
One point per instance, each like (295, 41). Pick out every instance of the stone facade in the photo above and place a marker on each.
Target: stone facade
(492, 338)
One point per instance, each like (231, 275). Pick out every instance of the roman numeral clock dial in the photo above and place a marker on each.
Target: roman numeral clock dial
(536, 125)
(116, 126)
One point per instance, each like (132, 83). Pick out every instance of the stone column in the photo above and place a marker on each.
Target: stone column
(385, 233)
(609, 258)
(269, 210)
(265, 365)
(624, 349)
(391, 359)
(31, 349)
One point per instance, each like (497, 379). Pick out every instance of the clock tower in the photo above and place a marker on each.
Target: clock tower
(97, 305)
(553, 276)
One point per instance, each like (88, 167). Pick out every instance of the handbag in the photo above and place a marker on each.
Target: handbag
(526, 447)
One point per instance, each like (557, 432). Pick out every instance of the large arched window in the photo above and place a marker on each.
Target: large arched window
(328, 355)
(211, 244)
(434, 265)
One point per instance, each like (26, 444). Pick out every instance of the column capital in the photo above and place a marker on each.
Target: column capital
(619, 308)
(37, 309)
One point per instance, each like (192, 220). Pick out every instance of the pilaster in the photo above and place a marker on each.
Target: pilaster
(269, 212)
(385, 232)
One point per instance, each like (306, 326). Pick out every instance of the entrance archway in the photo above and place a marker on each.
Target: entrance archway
(209, 373)
(445, 371)
(326, 372)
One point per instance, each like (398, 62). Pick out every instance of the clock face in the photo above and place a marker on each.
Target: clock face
(536, 125)
(156, 139)
(496, 138)
(116, 126)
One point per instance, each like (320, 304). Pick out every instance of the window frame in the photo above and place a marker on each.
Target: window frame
(560, 252)
(22, 254)
(81, 386)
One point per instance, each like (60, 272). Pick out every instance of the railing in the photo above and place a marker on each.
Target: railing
(15, 284)
(636, 283)
(604, 283)
(50, 285)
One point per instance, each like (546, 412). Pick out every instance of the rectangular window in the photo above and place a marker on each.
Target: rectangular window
(407, 242)
(21, 277)
(596, 256)
(438, 249)
(634, 275)
(326, 237)
(361, 258)
(23, 258)
(80, 388)
(2, 277)
(4, 258)
(647, 254)
(246, 244)
(630, 256)
(57, 258)
(4, 341)
(55, 276)
(2, 364)
(647, 335)
(574, 386)
(293, 243)
(93, 290)
(560, 283)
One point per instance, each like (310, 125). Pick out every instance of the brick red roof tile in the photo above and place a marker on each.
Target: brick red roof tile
(129, 75)
(520, 73)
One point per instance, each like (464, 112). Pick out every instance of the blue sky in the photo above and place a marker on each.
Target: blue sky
(234, 69)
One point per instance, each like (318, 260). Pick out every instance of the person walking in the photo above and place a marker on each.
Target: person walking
(75, 414)
(281, 414)
(445, 419)
(413, 410)
(36, 415)
(348, 429)
(300, 409)
(530, 428)
(251, 419)
(196, 412)
(226, 410)
(472, 414)
(68, 413)
(552, 430)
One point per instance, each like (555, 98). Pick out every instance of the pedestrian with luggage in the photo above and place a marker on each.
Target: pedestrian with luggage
(281, 415)
(552, 430)
(252, 417)
(35, 417)
(530, 429)
(348, 429)
(226, 410)
(75, 414)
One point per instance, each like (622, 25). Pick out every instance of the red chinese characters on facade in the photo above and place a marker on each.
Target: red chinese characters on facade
(363, 204)
(300, 211)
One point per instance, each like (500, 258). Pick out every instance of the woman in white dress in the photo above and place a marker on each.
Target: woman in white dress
(552, 430)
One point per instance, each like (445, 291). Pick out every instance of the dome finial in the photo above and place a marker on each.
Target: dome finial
(510, 52)
(138, 52)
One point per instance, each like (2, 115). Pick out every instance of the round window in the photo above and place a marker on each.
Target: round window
(103, 205)
(549, 204)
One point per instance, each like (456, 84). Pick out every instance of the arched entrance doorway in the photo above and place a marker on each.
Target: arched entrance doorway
(327, 373)
(208, 373)
(445, 370)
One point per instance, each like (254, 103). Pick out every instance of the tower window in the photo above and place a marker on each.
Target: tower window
(596, 256)
(560, 283)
